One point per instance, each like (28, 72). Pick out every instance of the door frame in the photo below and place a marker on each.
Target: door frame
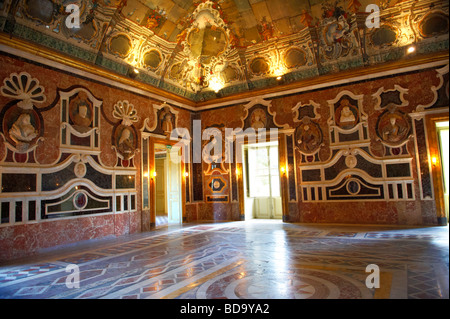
(152, 193)
(282, 165)
(245, 176)
(437, 174)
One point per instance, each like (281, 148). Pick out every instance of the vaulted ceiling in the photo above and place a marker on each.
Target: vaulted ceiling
(204, 49)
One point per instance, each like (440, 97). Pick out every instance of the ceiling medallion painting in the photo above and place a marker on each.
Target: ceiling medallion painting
(206, 44)
(204, 49)
(155, 18)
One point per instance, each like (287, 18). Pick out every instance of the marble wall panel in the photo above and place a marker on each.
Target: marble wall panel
(19, 240)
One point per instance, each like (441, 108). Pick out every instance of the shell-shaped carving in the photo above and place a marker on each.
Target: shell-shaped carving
(126, 112)
(23, 87)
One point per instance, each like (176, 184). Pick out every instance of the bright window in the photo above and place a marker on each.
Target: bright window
(263, 172)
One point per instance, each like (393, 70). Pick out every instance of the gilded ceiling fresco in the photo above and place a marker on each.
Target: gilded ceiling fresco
(201, 49)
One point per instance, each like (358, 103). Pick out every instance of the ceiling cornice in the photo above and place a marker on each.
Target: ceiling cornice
(405, 65)
(63, 59)
(92, 71)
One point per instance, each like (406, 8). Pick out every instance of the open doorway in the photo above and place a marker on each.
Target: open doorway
(167, 177)
(262, 181)
(443, 136)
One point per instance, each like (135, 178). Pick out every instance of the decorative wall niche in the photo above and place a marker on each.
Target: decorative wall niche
(348, 122)
(308, 134)
(165, 120)
(308, 137)
(216, 142)
(395, 96)
(125, 136)
(258, 116)
(217, 176)
(440, 92)
(80, 119)
(22, 122)
(394, 128)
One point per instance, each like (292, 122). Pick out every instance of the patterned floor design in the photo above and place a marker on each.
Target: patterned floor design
(241, 260)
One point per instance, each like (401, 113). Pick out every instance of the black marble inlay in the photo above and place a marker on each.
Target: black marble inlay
(197, 182)
(333, 171)
(19, 206)
(125, 181)
(118, 203)
(398, 170)
(311, 175)
(305, 194)
(18, 183)
(355, 188)
(5, 213)
(349, 137)
(409, 191)
(217, 199)
(101, 180)
(56, 180)
(390, 97)
(374, 170)
(32, 210)
(400, 191)
(67, 209)
(80, 141)
(291, 168)
(391, 191)
(423, 159)
(234, 183)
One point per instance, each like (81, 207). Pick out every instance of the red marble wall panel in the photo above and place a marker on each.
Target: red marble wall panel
(417, 212)
(19, 240)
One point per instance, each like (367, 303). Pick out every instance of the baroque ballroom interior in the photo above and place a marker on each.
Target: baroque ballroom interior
(224, 149)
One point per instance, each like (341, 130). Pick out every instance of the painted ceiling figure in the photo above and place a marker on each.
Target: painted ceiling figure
(353, 6)
(306, 18)
(265, 29)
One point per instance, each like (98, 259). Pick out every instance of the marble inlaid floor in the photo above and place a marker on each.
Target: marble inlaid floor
(257, 259)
